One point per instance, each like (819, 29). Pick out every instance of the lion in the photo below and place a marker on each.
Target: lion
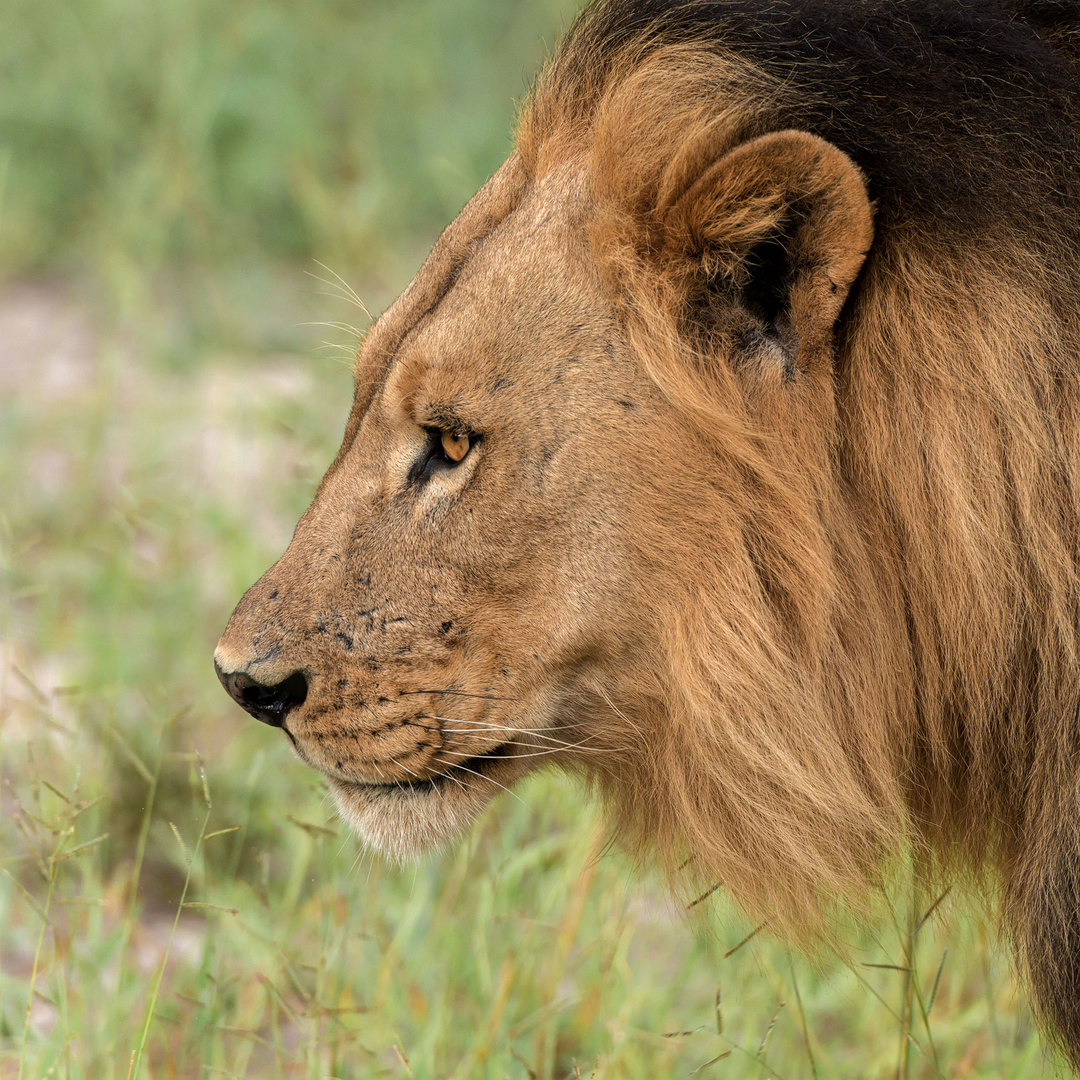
(726, 452)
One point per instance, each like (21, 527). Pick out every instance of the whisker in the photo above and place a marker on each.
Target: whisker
(337, 854)
(534, 753)
(479, 727)
(397, 783)
(457, 765)
(619, 713)
(455, 693)
(499, 727)
(334, 293)
(357, 859)
(422, 727)
(348, 327)
(490, 724)
(348, 291)
(405, 767)
(348, 350)
(398, 764)
(559, 747)
(460, 783)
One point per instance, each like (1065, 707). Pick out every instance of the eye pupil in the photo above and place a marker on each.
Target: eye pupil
(454, 445)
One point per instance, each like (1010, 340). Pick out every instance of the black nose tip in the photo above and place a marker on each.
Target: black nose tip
(270, 704)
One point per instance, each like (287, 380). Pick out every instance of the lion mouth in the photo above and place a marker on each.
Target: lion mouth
(404, 818)
(459, 773)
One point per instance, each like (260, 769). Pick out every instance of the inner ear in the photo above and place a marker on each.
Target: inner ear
(771, 237)
(765, 296)
(766, 293)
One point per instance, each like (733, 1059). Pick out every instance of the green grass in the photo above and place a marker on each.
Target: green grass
(177, 898)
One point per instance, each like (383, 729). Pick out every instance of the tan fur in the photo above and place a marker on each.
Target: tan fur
(796, 601)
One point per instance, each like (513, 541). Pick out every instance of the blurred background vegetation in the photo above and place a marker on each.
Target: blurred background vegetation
(196, 140)
(185, 190)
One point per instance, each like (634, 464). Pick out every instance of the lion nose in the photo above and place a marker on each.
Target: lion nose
(270, 704)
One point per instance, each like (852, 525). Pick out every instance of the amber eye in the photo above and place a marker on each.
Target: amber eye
(455, 445)
(444, 450)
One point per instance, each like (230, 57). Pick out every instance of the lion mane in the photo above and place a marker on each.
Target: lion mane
(862, 575)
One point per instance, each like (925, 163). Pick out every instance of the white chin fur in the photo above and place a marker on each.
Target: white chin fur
(403, 823)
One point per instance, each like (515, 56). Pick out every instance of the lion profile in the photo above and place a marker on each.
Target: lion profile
(726, 451)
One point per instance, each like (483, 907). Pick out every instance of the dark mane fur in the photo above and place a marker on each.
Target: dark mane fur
(960, 114)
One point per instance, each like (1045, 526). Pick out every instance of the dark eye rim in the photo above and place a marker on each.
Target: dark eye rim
(434, 458)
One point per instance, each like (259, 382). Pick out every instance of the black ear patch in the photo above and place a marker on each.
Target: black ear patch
(749, 309)
(767, 289)
(765, 296)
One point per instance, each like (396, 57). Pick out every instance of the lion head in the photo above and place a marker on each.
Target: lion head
(723, 453)
(492, 570)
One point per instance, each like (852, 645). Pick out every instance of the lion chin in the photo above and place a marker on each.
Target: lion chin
(403, 821)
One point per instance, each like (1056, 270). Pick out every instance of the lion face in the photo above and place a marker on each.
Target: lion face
(432, 640)
(541, 473)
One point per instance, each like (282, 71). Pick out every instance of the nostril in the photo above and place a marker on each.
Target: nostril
(270, 704)
(277, 700)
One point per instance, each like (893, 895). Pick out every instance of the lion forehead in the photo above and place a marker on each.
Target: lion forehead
(526, 303)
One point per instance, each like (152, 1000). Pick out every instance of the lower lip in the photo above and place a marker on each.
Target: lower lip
(470, 767)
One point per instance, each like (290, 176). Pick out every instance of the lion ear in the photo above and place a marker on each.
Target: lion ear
(771, 235)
